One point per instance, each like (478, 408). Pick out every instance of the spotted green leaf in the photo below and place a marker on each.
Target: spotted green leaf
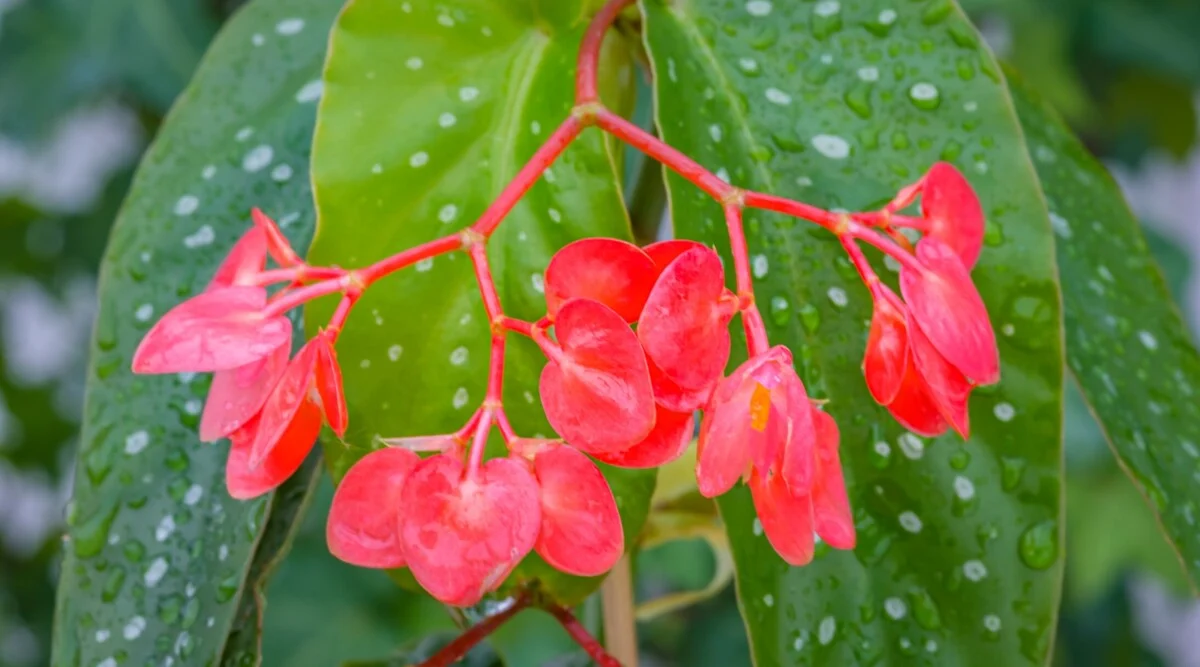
(430, 109)
(158, 554)
(1127, 344)
(840, 104)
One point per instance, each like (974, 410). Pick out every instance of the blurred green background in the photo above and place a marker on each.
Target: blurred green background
(83, 88)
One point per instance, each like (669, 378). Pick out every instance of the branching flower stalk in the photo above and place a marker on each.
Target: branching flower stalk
(625, 397)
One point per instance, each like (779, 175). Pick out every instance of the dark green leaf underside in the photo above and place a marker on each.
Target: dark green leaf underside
(429, 111)
(1127, 344)
(840, 104)
(158, 552)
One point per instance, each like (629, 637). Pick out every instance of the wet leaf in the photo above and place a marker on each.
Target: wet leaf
(840, 104)
(1127, 344)
(158, 554)
(464, 95)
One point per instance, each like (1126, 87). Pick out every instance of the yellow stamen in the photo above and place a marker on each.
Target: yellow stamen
(760, 407)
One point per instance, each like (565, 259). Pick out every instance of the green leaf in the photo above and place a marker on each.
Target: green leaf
(1127, 345)
(158, 553)
(839, 105)
(428, 113)
(287, 508)
(58, 54)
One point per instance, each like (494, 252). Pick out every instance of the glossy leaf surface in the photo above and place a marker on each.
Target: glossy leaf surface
(841, 104)
(464, 94)
(158, 553)
(1127, 344)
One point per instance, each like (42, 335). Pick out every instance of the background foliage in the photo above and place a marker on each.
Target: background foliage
(1122, 72)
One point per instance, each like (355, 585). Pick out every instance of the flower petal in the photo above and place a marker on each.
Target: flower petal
(212, 331)
(616, 273)
(285, 401)
(945, 304)
(945, 385)
(277, 244)
(832, 518)
(675, 398)
(284, 460)
(364, 520)
(671, 435)
(329, 386)
(800, 450)
(914, 408)
(245, 260)
(581, 528)
(665, 252)
(597, 394)
(462, 537)
(887, 351)
(683, 326)
(236, 395)
(952, 208)
(786, 517)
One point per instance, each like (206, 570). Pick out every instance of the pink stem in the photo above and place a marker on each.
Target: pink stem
(820, 216)
(545, 156)
(586, 90)
(409, 257)
(672, 158)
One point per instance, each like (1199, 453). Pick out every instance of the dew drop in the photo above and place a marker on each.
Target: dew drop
(924, 95)
(777, 96)
(187, 205)
(1039, 545)
(831, 146)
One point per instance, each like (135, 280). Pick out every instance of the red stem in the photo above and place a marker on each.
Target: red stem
(287, 301)
(673, 159)
(586, 90)
(582, 636)
(820, 216)
(887, 245)
(545, 156)
(455, 650)
(514, 325)
(737, 246)
(409, 257)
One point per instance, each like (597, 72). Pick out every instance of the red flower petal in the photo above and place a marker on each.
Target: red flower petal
(675, 398)
(914, 408)
(364, 520)
(887, 351)
(245, 260)
(329, 386)
(945, 304)
(462, 537)
(952, 208)
(277, 244)
(597, 395)
(285, 401)
(786, 517)
(213, 331)
(615, 273)
(800, 450)
(581, 528)
(245, 482)
(683, 326)
(236, 395)
(945, 385)
(665, 252)
(746, 422)
(671, 435)
(830, 506)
